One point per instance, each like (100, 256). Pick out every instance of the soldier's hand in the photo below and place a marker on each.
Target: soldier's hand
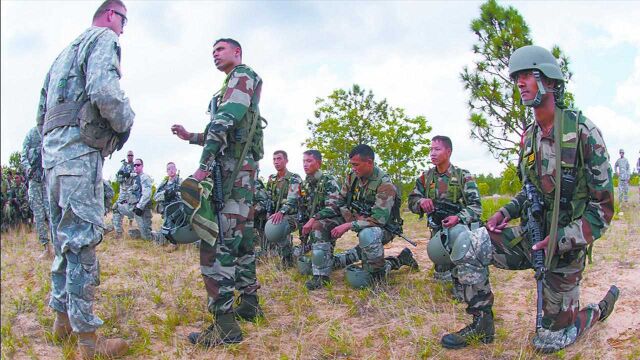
(276, 218)
(340, 230)
(306, 229)
(180, 132)
(427, 205)
(450, 221)
(542, 245)
(497, 222)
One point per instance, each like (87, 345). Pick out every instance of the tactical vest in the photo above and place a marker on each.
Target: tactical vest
(574, 193)
(367, 195)
(454, 189)
(312, 199)
(279, 196)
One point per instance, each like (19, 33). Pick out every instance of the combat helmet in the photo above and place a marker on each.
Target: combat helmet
(440, 245)
(304, 265)
(357, 277)
(276, 232)
(177, 225)
(540, 60)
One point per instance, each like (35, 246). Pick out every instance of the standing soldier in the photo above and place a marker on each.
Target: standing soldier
(108, 199)
(573, 210)
(140, 200)
(367, 202)
(232, 139)
(84, 80)
(623, 170)
(38, 201)
(125, 179)
(260, 201)
(283, 189)
(168, 192)
(449, 196)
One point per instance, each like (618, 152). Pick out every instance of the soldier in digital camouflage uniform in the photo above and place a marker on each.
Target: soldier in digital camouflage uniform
(368, 186)
(623, 170)
(230, 263)
(540, 81)
(88, 69)
(168, 192)
(283, 189)
(139, 202)
(449, 195)
(318, 200)
(125, 179)
(108, 199)
(38, 201)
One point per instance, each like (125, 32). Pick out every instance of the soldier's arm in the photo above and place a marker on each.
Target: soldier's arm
(42, 104)
(473, 209)
(145, 196)
(103, 83)
(24, 160)
(332, 196)
(290, 206)
(159, 195)
(235, 103)
(381, 210)
(599, 211)
(418, 193)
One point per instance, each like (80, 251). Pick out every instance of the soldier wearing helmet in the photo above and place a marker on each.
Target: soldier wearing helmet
(577, 216)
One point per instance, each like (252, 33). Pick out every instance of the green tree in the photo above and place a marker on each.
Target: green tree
(510, 181)
(14, 163)
(350, 117)
(497, 117)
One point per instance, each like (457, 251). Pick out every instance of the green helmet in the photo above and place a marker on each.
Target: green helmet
(304, 265)
(177, 225)
(439, 247)
(276, 232)
(357, 277)
(539, 59)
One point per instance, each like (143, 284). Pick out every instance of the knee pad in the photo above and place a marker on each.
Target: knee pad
(369, 236)
(320, 252)
(472, 253)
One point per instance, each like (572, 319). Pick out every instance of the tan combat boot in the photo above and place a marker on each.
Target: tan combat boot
(89, 346)
(61, 326)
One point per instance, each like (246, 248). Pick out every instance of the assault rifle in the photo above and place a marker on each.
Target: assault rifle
(443, 209)
(395, 229)
(535, 230)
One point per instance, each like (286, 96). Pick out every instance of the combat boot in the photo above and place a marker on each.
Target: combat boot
(481, 329)
(225, 330)
(249, 308)
(606, 305)
(61, 326)
(406, 258)
(317, 282)
(287, 261)
(89, 346)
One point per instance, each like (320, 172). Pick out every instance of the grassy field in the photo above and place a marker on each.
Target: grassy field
(153, 299)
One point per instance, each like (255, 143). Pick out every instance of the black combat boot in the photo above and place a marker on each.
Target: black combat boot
(287, 261)
(225, 330)
(406, 258)
(317, 282)
(606, 305)
(481, 328)
(249, 308)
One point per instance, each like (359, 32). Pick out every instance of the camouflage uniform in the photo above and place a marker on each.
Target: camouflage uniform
(230, 264)
(38, 201)
(592, 210)
(376, 192)
(73, 170)
(16, 208)
(284, 192)
(140, 197)
(108, 195)
(455, 187)
(125, 179)
(168, 192)
(260, 200)
(624, 174)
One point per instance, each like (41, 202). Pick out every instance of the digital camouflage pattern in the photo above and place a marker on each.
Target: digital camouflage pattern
(168, 192)
(74, 170)
(108, 195)
(126, 183)
(140, 197)
(623, 170)
(31, 157)
(230, 264)
(31, 160)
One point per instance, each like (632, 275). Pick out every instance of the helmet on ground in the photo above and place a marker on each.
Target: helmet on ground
(440, 245)
(540, 60)
(177, 226)
(304, 265)
(276, 232)
(357, 277)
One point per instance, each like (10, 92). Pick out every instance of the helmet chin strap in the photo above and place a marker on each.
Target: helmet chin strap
(536, 101)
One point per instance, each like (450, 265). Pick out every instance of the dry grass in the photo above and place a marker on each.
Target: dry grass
(154, 299)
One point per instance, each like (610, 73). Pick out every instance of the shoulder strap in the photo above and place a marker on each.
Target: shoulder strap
(553, 233)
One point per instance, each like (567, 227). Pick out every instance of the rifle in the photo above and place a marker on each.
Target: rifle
(535, 230)
(395, 229)
(443, 209)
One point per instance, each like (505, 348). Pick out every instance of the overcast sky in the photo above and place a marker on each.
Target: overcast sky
(410, 53)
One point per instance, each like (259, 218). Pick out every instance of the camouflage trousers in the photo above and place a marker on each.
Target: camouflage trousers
(231, 264)
(561, 286)
(39, 203)
(117, 221)
(76, 207)
(623, 190)
(144, 224)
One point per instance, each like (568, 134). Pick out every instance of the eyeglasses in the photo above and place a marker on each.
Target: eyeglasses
(123, 18)
(130, 155)
(136, 165)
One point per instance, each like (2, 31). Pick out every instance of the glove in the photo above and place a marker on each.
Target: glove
(138, 211)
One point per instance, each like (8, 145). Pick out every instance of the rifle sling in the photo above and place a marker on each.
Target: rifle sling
(553, 232)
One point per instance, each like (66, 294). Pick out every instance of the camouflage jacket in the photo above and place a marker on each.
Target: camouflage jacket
(140, 193)
(260, 197)
(592, 201)
(95, 74)
(229, 127)
(623, 169)
(376, 192)
(168, 191)
(455, 186)
(284, 192)
(31, 157)
(108, 195)
(318, 195)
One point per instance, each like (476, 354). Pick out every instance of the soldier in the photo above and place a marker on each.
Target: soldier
(623, 170)
(260, 201)
(38, 201)
(108, 199)
(16, 210)
(584, 207)
(139, 201)
(84, 80)
(318, 200)
(368, 200)
(125, 179)
(233, 138)
(283, 189)
(168, 192)
(449, 196)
